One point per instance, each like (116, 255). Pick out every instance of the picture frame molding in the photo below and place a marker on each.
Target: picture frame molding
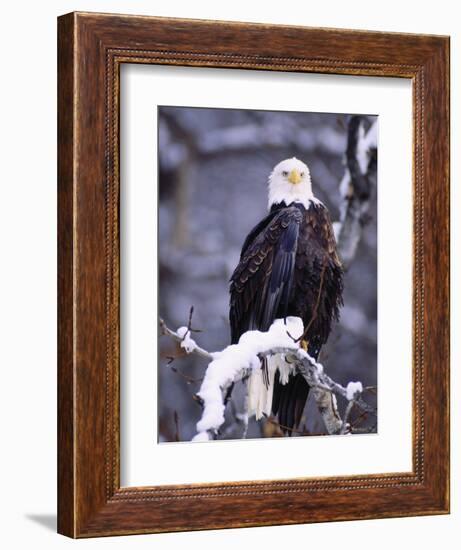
(91, 49)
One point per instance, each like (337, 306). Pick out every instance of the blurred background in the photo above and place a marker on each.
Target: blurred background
(213, 170)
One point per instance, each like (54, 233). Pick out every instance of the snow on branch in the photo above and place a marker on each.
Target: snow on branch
(356, 186)
(182, 336)
(237, 361)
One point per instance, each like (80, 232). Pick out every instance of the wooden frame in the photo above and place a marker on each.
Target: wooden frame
(91, 49)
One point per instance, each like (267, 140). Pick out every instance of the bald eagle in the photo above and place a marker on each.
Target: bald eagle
(288, 266)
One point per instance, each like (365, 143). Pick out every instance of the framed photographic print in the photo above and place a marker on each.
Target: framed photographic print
(253, 275)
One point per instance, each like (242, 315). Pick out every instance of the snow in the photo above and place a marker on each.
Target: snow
(352, 389)
(366, 142)
(302, 354)
(371, 139)
(201, 436)
(230, 364)
(187, 343)
(336, 229)
(362, 150)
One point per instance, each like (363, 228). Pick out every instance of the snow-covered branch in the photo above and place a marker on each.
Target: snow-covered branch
(182, 336)
(236, 362)
(356, 186)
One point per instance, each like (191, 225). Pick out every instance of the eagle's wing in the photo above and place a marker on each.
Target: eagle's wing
(262, 281)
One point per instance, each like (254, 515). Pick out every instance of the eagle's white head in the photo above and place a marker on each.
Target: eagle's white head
(289, 182)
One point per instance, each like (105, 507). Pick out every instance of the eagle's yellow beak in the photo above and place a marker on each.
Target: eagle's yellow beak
(294, 177)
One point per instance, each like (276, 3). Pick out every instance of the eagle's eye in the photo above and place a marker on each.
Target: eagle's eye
(302, 174)
(285, 173)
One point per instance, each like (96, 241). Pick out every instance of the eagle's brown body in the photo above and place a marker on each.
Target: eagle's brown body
(289, 267)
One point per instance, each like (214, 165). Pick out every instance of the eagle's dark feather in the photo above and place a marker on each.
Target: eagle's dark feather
(288, 266)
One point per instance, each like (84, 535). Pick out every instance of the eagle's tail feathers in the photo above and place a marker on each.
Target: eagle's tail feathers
(275, 389)
(288, 402)
(261, 385)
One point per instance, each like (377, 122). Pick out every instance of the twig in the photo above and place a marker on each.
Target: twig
(187, 378)
(189, 322)
(292, 430)
(175, 336)
(360, 418)
(345, 428)
(176, 423)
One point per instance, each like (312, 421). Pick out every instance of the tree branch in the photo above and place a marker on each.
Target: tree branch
(356, 187)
